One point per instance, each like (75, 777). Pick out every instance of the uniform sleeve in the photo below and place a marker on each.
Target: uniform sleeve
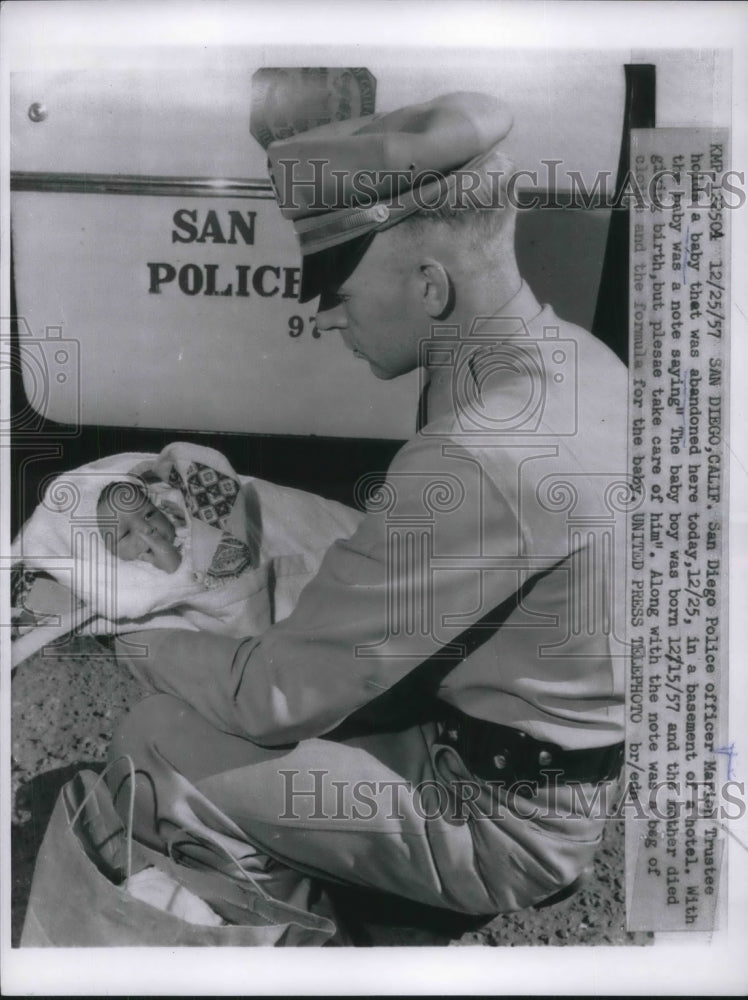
(416, 573)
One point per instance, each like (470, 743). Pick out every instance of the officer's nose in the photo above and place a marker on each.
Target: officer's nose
(331, 313)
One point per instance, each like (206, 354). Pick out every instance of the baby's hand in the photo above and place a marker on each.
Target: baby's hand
(159, 553)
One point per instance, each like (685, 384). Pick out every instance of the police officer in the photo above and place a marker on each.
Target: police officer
(447, 695)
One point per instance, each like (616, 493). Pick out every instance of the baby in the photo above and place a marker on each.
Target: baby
(195, 546)
(133, 527)
(168, 540)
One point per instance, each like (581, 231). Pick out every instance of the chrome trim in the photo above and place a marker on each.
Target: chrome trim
(181, 187)
(210, 187)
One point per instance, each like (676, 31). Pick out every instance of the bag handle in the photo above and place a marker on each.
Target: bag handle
(130, 808)
(218, 846)
(171, 843)
(269, 905)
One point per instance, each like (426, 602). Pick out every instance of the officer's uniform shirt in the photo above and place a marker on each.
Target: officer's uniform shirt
(520, 464)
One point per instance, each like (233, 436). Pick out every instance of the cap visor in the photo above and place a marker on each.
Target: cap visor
(326, 270)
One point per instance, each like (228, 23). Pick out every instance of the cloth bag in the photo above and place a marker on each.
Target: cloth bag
(79, 897)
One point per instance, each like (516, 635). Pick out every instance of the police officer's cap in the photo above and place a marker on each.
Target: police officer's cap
(342, 183)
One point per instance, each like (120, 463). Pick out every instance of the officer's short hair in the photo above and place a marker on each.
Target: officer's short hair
(487, 215)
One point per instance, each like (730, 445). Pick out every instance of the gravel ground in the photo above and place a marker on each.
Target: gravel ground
(64, 710)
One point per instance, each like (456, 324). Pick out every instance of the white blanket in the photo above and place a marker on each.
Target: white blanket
(251, 547)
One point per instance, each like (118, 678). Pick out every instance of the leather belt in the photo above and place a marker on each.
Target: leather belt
(501, 754)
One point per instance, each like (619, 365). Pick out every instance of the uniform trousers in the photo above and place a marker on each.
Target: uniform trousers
(397, 811)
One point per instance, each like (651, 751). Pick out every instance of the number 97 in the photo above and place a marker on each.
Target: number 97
(296, 327)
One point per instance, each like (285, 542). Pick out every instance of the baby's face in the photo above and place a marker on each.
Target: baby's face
(142, 532)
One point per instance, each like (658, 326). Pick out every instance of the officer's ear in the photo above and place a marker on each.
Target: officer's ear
(437, 290)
